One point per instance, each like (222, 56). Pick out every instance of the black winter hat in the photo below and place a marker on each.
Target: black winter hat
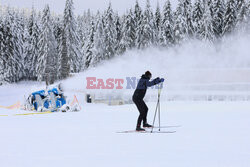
(148, 74)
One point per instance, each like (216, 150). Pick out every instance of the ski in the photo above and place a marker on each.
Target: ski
(163, 127)
(134, 131)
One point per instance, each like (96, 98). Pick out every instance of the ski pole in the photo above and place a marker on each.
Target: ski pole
(157, 108)
(155, 115)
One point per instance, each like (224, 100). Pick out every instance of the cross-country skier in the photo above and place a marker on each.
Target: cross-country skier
(138, 96)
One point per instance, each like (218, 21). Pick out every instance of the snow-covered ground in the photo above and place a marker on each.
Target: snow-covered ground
(210, 134)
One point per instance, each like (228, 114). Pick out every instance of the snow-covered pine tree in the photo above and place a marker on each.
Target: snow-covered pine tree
(239, 4)
(31, 50)
(110, 33)
(138, 15)
(242, 16)
(118, 27)
(89, 46)
(12, 51)
(145, 33)
(128, 33)
(179, 33)
(248, 8)
(158, 17)
(218, 16)
(167, 33)
(99, 47)
(81, 31)
(183, 27)
(58, 26)
(207, 30)
(223, 4)
(198, 12)
(177, 29)
(210, 3)
(187, 14)
(1, 49)
(248, 17)
(46, 67)
(157, 23)
(57, 29)
(70, 54)
(64, 59)
(28, 55)
(84, 23)
(230, 17)
(20, 29)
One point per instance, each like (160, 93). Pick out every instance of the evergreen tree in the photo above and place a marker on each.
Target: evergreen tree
(167, 34)
(31, 51)
(18, 26)
(70, 54)
(110, 34)
(137, 15)
(157, 23)
(89, 47)
(183, 27)
(145, 32)
(248, 17)
(239, 4)
(47, 50)
(81, 31)
(7, 49)
(248, 8)
(2, 62)
(218, 17)
(242, 17)
(28, 54)
(128, 33)
(198, 12)
(158, 18)
(84, 23)
(118, 28)
(230, 17)
(187, 14)
(99, 47)
(210, 4)
(12, 51)
(207, 30)
(57, 29)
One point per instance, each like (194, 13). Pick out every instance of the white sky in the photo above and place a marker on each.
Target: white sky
(81, 5)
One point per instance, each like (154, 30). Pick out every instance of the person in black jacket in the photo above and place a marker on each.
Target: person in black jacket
(138, 96)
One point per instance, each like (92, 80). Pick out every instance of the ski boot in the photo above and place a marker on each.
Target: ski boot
(146, 125)
(139, 129)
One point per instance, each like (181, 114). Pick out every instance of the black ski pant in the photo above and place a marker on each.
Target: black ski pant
(143, 109)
